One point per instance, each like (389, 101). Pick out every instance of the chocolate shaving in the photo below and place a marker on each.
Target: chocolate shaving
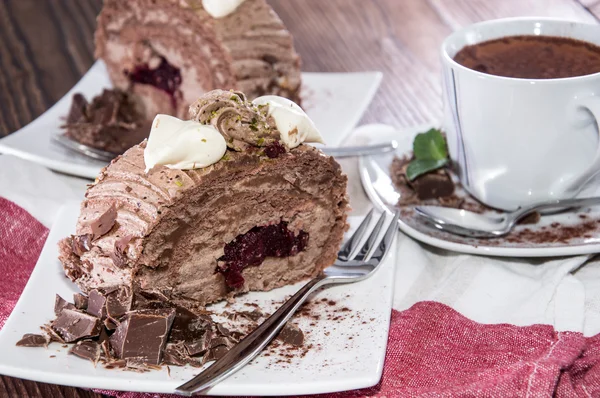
(34, 340)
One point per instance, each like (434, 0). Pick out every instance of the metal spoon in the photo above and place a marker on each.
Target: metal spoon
(339, 152)
(468, 223)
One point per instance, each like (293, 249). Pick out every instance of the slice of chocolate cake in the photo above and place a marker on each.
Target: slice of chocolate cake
(228, 202)
(171, 51)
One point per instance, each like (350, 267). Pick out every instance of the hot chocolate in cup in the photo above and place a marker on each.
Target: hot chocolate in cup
(521, 110)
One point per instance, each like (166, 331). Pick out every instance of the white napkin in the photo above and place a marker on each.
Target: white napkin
(488, 289)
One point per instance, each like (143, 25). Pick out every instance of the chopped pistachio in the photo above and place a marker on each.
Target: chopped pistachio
(178, 183)
(226, 157)
(260, 141)
(203, 139)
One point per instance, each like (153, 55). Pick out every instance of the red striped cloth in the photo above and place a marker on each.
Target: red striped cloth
(433, 351)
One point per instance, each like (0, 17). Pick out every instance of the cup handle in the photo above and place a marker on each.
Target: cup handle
(592, 104)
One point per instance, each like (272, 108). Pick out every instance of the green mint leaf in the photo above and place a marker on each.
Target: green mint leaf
(430, 145)
(421, 166)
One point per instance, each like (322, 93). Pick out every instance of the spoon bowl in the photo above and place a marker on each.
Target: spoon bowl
(467, 223)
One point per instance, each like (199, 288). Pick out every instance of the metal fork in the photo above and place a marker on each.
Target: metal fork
(338, 152)
(354, 264)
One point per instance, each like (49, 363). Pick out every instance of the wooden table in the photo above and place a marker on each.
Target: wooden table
(47, 45)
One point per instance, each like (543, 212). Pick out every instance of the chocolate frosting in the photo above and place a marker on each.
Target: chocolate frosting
(239, 121)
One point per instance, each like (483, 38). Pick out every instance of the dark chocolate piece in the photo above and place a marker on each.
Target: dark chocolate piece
(114, 121)
(86, 349)
(215, 354)
(96, 304)
(175, 354)
(52, 334)
(199, 346)
(432, 185)
(142, 335)
(60, 303)
(73, 325)
(109, 324)
(104, 223)
(77, 111)
(118, 302)
(34, 340)
(81, 301)
(119, 255)
(291, 334)
(80, 243)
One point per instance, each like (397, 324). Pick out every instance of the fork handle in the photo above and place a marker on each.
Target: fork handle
(252, 344)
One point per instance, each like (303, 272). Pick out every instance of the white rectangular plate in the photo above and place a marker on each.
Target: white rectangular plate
(348, 353)
(335, 102)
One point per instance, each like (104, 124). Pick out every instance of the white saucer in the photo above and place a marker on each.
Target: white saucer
(524, 241)
(335, 102)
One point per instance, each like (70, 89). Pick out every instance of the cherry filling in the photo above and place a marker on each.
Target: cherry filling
(251, 248)
(165, 77)
(274, 150)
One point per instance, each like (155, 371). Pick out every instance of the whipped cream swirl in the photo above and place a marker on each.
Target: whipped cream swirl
(294, 125)
(220, 8)
(182, 144)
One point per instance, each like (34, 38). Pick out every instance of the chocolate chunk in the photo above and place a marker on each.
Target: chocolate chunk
(96, 304)
(78, 108)
(199, 346)
(73, 325)
(81, 301)
(118, 302)
(109, 324)
(80, 244)
(175, 354)
(119, 255)
(189, 327)
(33, 340)
(433, 185)
(52, 334)
(215, 354)
(60, 303)
(291, 334)
(86, 349)
(104, 223)
(142, 335)
(222, 330)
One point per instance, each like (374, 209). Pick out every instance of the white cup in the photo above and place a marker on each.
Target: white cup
(515, 142)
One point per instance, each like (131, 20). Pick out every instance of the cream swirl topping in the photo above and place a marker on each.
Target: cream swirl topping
(294, 125)
(182, 144)
(220, 8)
